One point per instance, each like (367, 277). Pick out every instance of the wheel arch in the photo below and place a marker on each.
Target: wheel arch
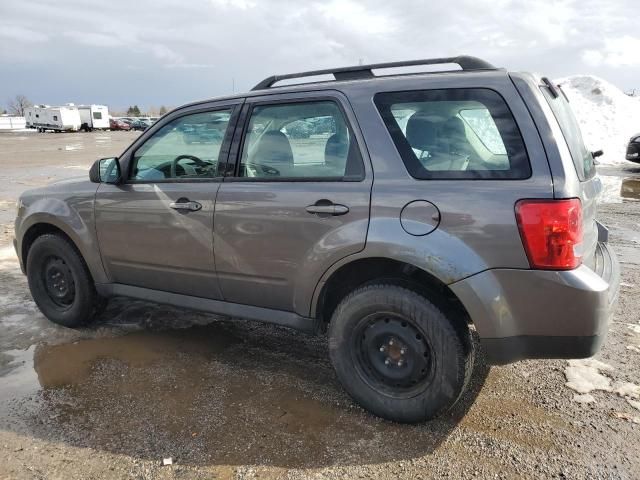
(37, 230)
(368, 270)
(41, 224)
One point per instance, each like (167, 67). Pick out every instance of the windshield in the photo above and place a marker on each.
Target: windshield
(582, 158)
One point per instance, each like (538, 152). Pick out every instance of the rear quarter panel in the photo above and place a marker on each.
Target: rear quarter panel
(477, 229)
(566, 183)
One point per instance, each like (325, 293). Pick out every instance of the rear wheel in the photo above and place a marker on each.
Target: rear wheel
(60, 282)
(397, 354)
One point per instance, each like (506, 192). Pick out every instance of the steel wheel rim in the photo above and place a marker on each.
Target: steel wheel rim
(393, 355)
(58, 282)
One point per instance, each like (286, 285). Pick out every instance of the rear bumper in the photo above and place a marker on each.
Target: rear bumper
(500, 351)
(633, 152)
(522, 314)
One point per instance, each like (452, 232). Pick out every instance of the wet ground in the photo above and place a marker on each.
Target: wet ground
(234, 399)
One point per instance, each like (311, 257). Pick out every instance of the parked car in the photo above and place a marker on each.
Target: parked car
(140, 124)
(441, 203)
(633, 149)
(117, 124)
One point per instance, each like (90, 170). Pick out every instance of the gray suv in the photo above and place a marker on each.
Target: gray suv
(397, 213)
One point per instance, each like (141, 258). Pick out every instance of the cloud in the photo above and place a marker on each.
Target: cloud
(21, 34)
(93, 39)
(356, 16)
(241, 4)
(616, 52)
(145, 48)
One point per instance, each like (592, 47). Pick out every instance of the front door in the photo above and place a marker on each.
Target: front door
(299, 201)
(155, 229)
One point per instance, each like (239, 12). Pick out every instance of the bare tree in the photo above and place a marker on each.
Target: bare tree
(18, 105)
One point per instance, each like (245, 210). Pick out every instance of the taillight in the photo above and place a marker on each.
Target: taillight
(551, 232)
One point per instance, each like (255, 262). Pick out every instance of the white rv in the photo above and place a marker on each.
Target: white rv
(93, 116)
(60, 119)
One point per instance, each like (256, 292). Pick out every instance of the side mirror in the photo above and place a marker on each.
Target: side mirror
(105, 170)
(597, 153)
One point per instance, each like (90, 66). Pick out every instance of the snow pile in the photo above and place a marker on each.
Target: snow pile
(608, 118)
(583, 376)
(627, 389)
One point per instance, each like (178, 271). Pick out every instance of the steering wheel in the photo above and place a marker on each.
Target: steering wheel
(174, 163)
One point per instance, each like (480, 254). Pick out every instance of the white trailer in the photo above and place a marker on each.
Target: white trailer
(29, 116)
(60, 119)
(93, 117)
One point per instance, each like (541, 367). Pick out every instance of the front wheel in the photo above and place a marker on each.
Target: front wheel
(397, 354)
(60, 282)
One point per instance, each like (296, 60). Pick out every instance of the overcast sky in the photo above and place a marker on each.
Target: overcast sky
(148, 52)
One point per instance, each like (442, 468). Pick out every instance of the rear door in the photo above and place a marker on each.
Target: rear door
(297, 203)
(155, 230)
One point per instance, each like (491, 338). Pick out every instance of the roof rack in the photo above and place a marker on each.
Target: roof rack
(466, 63)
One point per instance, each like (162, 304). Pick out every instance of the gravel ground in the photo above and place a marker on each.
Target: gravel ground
(233, 399)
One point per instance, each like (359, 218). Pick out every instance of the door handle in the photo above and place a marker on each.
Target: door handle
(185, 204)
(330, 209)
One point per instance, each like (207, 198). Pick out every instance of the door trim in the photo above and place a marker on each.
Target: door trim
(234, 310)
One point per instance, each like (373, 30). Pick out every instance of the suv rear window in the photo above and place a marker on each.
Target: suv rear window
(582, 158)
(455, 134)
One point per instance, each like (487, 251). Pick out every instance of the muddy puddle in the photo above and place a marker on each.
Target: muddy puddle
(224, 393)
(197, 394)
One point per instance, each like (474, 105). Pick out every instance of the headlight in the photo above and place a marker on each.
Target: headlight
(18, 206)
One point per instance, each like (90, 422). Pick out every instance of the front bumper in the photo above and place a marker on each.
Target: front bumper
(522, 314)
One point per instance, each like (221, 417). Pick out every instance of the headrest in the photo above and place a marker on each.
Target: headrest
(454, 127)
(337, 147)
(273, 147)
(422, 134)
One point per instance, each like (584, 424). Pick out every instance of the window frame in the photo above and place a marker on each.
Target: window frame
(224, 147)
(383, 102)
(577, 158)
(243, 127)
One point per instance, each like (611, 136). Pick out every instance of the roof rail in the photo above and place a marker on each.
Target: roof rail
(466, 62)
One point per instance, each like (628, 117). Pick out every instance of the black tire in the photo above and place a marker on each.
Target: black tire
(421, 375)
(60, 282)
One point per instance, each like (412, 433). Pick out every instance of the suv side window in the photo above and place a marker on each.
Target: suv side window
(187, 147)
(302, 140)
(455, 134)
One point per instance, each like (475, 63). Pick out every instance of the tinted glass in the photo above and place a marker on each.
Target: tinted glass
(97, 115)
(582, 158)
(455, 134)
(299, 140)
(187, 147)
